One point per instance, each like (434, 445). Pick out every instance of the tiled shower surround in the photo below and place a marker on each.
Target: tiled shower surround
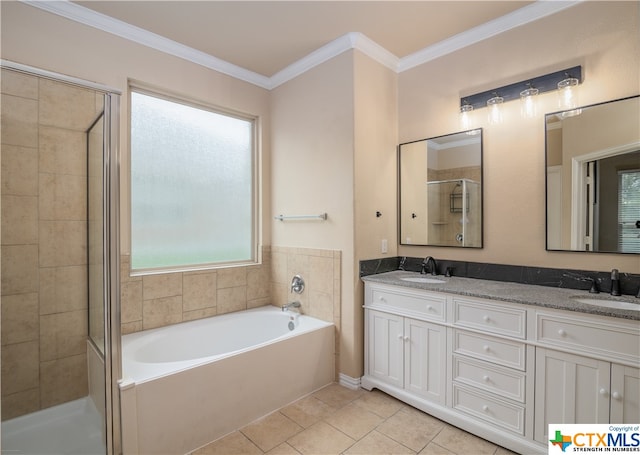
(44, 252)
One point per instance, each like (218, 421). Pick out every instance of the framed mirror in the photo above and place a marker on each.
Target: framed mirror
(593, 178)
(440, 190)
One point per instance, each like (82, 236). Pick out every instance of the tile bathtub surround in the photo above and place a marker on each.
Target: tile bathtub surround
(152, 301)
(540, 276)
(337, 420)
(44, 276)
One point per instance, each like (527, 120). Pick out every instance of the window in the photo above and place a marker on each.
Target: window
(629, 211)
(193, 190)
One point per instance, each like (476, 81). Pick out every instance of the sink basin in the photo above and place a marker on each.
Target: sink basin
(608, 303)
(415, 279)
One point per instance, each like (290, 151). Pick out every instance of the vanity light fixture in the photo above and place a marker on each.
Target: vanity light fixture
(565, 82)
(528, 107)
(465, 116)
(495, 109)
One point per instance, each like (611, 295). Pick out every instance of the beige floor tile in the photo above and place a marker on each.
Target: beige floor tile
(434, 449)
(461, 442)
(271, 431)
(321, 438)
(354, 421)
(379, 403)
(283, 449)
(411, 428)
(376, 443)
(337, 396)
(503, 451)
(233, 444)
(307, 411)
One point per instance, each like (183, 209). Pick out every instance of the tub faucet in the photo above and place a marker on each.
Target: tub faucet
(294, 304)
(425, 265)
(615, 282)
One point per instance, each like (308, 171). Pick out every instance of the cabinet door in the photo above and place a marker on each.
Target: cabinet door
(625, 394)
(425, 364)
(386, 346)
(569, 389)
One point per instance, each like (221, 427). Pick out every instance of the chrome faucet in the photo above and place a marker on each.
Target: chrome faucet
(615, 282)
(429, 260)
(294, 304)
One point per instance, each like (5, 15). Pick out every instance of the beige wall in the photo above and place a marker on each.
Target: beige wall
(600, 36)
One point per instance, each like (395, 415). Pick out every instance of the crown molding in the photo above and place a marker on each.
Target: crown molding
(517, 18)
(353, 40)
(138, 35)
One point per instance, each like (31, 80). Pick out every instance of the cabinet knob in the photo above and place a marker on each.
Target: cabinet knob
(603, 391)
(486, 348)
(616, 395)
(486, 318)
(485, 408)
(406, 338)
(429, 307)
(399, 336)
(486, 378)
(381, 299)
(562, 333)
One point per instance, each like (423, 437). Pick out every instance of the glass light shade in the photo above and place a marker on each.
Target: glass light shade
(568, 93)
(495, 111)
(465, 116)
(528, 107)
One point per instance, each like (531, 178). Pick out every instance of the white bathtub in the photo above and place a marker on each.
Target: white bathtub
(191, 383)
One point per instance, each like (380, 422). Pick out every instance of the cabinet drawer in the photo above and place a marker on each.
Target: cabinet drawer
(615, 341)
(489, 409)
(484, 347)
(488, 317)
(422, 305)
(491, 378)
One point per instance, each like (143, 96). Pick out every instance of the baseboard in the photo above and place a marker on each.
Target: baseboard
(348, 381)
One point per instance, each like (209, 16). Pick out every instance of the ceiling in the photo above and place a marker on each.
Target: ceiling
(266, 37)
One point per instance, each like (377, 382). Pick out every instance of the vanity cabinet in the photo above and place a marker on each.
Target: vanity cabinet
(407, 352)
(586, 353)
(500, 370)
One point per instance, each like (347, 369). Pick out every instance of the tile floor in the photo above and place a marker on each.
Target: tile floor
(338, 420)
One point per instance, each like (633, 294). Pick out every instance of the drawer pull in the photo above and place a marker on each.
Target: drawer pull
(382, 299)
(485, 408)
(486, 348)
(616, 396)
(562, 333)
(486, 378)
(486, 318)
(429, 307)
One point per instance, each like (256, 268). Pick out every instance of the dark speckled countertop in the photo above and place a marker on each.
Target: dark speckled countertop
(549, 297)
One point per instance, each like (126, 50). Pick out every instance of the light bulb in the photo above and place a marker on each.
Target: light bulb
(495, 112)
(568, 93)
(528, 107)
(465, 116)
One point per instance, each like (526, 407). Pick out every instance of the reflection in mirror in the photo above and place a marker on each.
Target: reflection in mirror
(440, 186)
(593, 178)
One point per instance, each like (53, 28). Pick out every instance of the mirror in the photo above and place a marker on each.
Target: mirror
(593, 178)
(440, 187)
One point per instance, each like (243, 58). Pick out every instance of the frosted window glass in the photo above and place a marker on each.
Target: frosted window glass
(192, 188)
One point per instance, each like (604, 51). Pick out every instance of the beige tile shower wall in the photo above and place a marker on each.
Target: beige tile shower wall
(321, 272)
(44, 281)
(153, 301)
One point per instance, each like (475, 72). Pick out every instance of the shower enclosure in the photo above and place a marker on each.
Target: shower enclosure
(60, 270)
(453, 208)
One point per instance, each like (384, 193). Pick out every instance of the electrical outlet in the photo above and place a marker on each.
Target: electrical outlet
(383, 246)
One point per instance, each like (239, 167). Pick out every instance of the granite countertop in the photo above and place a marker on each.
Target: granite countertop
(527, 294)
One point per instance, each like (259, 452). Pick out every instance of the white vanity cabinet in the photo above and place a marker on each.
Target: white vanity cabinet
(500, 370)
(588, 374)
(490, 362)
(403, 348)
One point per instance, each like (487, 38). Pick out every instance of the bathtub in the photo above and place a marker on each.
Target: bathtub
(188, 384)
